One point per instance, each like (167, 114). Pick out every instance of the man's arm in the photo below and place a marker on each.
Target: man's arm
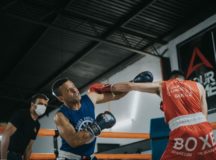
(119, 90)
(105, 97)
(68, 132)
(152, 87)
(107, 93)
(28, 150)
(204, 105)
(8, 132)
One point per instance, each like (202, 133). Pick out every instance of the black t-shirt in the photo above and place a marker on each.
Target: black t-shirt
(27, 130)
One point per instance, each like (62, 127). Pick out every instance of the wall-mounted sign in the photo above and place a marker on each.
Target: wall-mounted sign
(197, 58)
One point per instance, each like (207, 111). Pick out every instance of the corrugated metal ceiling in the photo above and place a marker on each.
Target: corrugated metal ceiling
(85, 40)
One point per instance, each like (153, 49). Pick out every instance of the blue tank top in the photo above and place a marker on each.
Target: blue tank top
(79, 119)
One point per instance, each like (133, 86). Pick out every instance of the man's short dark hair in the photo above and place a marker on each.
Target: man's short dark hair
(57, 84)
(38, 95)
(176, 73)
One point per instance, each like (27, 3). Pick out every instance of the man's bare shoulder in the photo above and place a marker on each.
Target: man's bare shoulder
(200, 86)
(60, 117)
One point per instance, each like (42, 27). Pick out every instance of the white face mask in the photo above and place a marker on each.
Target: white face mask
(40, 109)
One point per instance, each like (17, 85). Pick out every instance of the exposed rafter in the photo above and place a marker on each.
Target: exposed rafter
(4, 7)
(56, 27)
(102, 40)
(87, 40)
(37, 41)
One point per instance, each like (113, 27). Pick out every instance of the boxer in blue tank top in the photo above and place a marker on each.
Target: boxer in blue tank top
(80, 119)
(75, 114)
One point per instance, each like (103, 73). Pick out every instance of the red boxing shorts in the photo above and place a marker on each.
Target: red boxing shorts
(191, 138)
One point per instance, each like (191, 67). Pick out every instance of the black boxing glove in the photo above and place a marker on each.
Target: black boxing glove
(145, 76)
(103, 121)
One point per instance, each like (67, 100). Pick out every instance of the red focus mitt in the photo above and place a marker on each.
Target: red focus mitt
(100, 88)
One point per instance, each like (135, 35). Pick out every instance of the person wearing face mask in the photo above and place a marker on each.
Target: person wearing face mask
(21, 130)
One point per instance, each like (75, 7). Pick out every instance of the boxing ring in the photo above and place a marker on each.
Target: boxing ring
(54, 134)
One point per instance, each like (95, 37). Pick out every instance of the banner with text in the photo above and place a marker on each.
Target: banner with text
(197, 58)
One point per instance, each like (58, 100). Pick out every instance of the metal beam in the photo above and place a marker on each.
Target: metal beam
(142, 35)
(34, 44)
(135, 11)
(115, 68)
(73, 61)
(4, 7)
(68, 14)
(192, 19)
(95, 45)
(140, 8)
(102, 40)
(123, 21)
(83, 53)
(53, 26)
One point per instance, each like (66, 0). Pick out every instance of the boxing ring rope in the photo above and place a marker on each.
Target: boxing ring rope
(52, 156)
(54, 133)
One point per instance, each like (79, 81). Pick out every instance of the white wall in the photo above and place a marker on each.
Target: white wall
(134, 111)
